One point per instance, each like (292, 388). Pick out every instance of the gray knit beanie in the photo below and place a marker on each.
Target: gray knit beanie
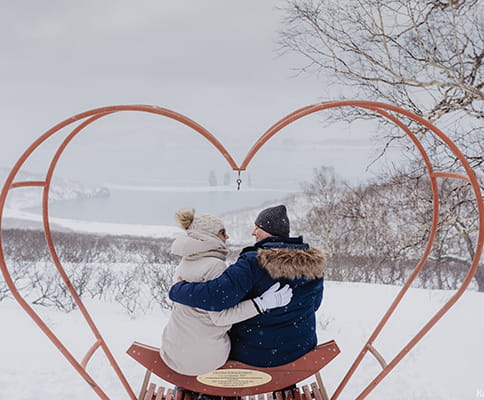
(274, 220)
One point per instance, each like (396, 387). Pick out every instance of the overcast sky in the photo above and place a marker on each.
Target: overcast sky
(215, 61)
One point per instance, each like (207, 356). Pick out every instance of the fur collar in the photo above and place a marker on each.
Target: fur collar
(292, 263)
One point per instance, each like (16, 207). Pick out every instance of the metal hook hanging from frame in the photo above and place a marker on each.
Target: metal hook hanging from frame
(238, 181)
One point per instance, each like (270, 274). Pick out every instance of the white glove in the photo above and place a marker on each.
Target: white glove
(273, 298)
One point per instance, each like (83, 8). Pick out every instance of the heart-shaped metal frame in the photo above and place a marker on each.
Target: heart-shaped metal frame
(387, 111)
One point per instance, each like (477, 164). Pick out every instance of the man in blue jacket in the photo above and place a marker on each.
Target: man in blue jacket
(281, 335)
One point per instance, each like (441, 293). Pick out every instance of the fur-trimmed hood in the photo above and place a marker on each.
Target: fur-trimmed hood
(292, 263)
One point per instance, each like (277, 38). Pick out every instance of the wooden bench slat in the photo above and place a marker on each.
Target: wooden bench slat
(316, 391)
(307, 393)
(169, 394)
(160, 393)
(279, 395)
(289, 394)
(150, 392)
(178, 395)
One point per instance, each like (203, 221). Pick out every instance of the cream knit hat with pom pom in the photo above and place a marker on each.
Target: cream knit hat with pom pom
(201, 222)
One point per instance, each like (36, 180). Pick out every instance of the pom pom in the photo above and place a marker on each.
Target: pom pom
(185, 217)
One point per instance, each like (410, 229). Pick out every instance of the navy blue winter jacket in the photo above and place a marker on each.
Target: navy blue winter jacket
(278, 336)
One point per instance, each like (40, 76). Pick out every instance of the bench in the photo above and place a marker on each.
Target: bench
(235, 378)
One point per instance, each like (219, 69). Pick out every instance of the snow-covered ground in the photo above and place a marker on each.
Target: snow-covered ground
(447, 364)
(16, 218)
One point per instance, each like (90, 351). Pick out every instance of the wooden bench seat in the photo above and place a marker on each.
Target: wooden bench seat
(235, 378)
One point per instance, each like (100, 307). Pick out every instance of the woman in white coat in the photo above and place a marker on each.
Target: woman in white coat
(195, 341)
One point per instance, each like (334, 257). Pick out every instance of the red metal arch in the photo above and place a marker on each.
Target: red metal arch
(387, 111)
(87, 118)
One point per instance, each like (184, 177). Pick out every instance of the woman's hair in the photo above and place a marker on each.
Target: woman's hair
(185, 217)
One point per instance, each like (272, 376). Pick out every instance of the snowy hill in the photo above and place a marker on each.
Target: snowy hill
(20, 199)
(447, 364)
(60, 189)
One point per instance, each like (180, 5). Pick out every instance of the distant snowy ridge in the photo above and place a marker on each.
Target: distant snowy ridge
(239, 223)
(20, 199)
(187, 189)
(60, 189)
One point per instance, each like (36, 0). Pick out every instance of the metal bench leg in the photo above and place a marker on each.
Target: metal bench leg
(322, 389)
(146, 380)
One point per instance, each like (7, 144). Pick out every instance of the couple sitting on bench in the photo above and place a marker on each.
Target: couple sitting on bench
(259, 310)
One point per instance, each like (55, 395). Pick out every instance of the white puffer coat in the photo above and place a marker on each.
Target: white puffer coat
(196, 341)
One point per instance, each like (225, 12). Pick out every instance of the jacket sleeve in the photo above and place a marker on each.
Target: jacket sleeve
(218, 294)
(240, 312)
(319, 296)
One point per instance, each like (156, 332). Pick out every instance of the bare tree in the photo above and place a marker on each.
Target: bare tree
(136, 272)
(335, 222)
(378, 231)
(102, 281)
(128, 290)
(423, 55)
(322, 221)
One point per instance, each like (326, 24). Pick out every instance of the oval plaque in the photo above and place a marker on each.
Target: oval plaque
(234, 378)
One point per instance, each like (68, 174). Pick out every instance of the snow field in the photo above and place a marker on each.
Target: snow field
(447, 364)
